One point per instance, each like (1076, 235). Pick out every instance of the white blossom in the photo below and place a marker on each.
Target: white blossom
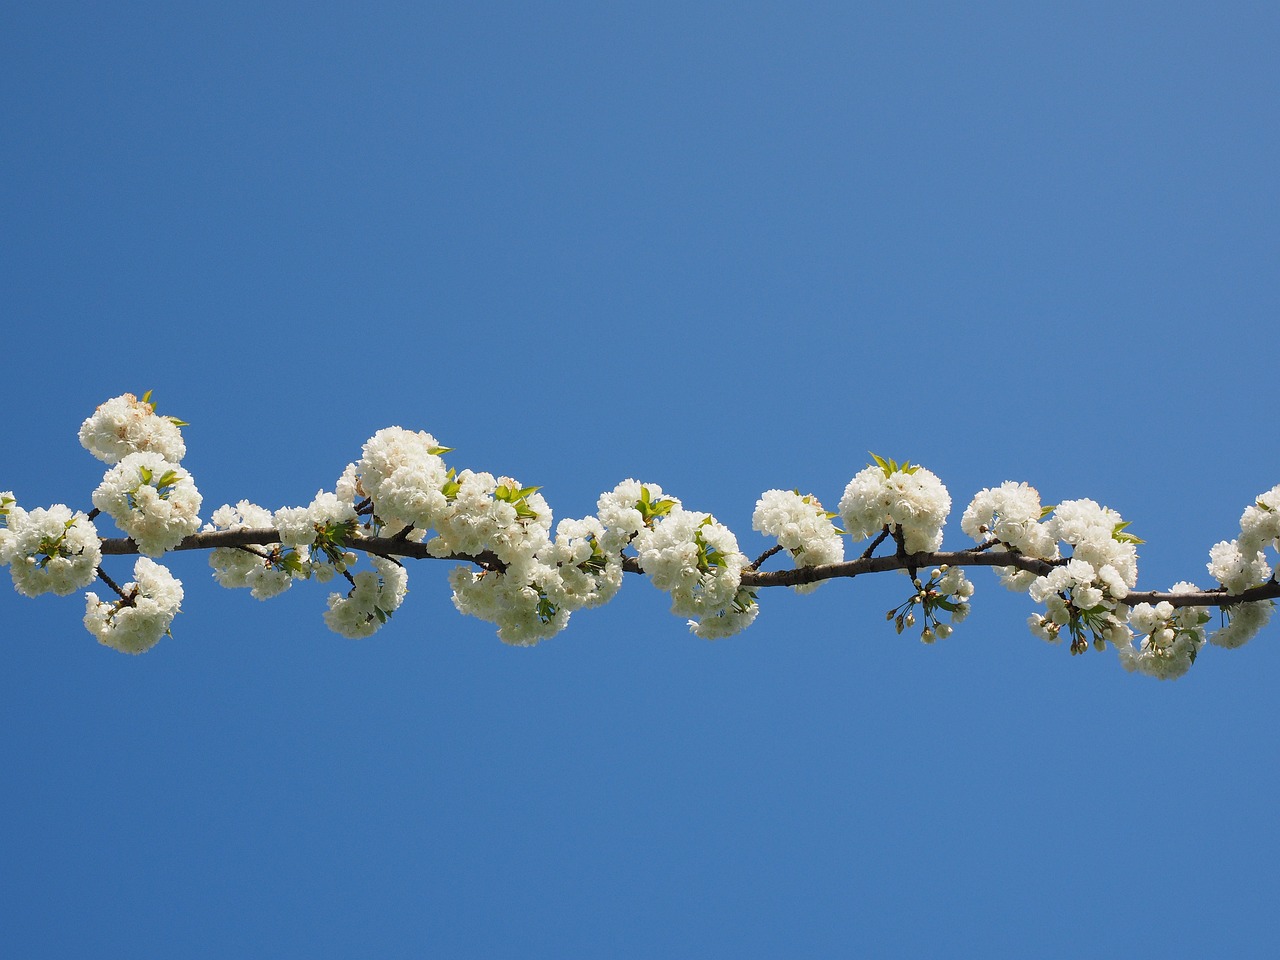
(1010, 513)
(1236, 570)
(628, 508)
(1171, 637)
(1092, 531)
(693, 558)
(801, 527)
(376, 595)
(136, 623)
(1260, 522)
(49, 550)
(152, 500)
(1244, 620)
(403, 473)
(521, 599)
(263, 569)
(915, 502)
(126, 425)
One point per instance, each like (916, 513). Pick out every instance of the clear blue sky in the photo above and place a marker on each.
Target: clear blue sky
(721, 247)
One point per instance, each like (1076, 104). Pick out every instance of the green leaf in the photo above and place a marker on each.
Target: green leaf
(146, 398)
(1045, 511)
(437, 451)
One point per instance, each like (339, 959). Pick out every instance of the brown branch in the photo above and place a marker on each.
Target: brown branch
(977, 557)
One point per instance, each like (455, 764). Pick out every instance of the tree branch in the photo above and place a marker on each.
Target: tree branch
(979, 556)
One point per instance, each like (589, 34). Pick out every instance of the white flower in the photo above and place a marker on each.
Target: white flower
(801, 527)
(1244, 620)
(628, 508)
(300, 526)
(7, 506)
(376, 595)
(588, 577)
(1011, 514)
(485, 512)
(732, 619)
(1260, 522)
(403, 473)
(126, 425)
(152, 500)
(1236, 570)
(1171, 637)
(916, 503)
(695, 559)
(1092, 531)
(521, 600)
(264, 570)
(136, 623)
(50, 550)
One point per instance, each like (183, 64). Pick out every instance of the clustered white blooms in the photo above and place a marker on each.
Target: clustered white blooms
(266, 572)
(528, 581)
(1241, 564)
(1171, 636)
(376, 595)
(948, 590)
(403, 473)
(909, 500)
(125, 425)
(801, 527)
(1010, 514)
(152, 500)
(136, 622)
(695, 559)
(48, 550)
(1084, 592)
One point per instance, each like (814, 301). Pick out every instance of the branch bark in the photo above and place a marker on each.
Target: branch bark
(977, 557)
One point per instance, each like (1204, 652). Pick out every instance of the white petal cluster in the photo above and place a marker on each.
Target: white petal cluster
(914, 502)
(1079, 596)
(1235, 569)
(259, 568)
(136, 624)
(533, 595)
(801, 527)
(620, 511)
(1171, 637)
(403, 473)
(156, 514)
(376, 595)
(1244, 620)
(1260, 523)
(485, 512)
(1010, 513)
(696, 560)
(48, 550)
(300, 526)
(589, 576)
(1092, 530)
(8, 503)
(520, 600)
(126, 425)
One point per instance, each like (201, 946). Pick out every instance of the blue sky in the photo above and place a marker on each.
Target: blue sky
(721, 247)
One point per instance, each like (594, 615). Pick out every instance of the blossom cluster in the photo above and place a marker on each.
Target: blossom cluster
(136, 622)
(908, 501)
(48, 550)
(1241, 564)
(801, 527)
(1169, 637)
